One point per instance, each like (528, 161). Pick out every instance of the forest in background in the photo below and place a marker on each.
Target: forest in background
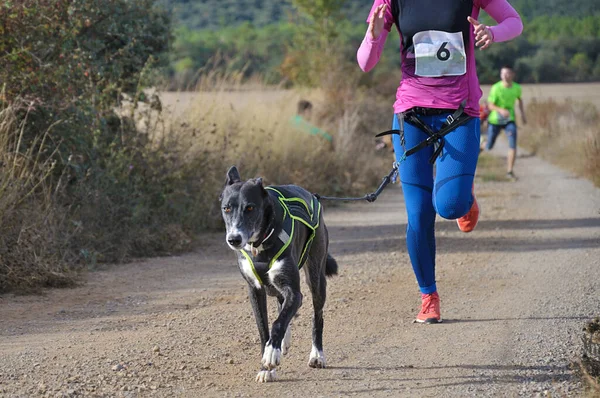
(560, 42)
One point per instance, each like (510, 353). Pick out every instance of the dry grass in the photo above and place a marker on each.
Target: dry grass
(34, 239)
(253, 130)
(566, 134)
(583, 368)
(588, 367)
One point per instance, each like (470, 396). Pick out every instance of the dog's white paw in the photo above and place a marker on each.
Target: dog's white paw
(272, 357)
(287, 340)
(316, 359)
(266, 376)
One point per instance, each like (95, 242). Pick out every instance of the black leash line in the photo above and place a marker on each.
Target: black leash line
(370, 197)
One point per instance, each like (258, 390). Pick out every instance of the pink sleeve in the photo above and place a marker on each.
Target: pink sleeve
(370, 50)
(509, 22)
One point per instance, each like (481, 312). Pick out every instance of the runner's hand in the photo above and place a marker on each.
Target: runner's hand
(377, 21)
(483, 35)
(504, 112)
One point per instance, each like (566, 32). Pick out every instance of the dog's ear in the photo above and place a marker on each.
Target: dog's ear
(233, 176)
(259, 181)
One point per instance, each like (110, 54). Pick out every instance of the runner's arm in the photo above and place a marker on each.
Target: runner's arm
(508, 19)
(370, 49)
(502, 111)
(522, 109)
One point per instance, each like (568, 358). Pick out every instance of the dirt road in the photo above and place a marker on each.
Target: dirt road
(515, 295)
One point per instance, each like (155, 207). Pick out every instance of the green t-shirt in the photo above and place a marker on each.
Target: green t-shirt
(299, 122)
(503, 97)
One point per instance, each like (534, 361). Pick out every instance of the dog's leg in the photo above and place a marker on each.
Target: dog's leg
(285, 278)
(258, 299)
(318, 288)
(287, 338)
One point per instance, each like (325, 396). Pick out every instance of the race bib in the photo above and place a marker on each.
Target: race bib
(439, 54)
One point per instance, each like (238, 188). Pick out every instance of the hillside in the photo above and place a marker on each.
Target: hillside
(219, 13)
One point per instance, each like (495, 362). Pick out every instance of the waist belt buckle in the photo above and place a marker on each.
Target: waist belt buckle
(450, 119)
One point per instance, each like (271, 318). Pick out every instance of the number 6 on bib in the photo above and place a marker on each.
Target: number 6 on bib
(439, 54)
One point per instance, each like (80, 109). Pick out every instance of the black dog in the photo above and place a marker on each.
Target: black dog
(275, 231)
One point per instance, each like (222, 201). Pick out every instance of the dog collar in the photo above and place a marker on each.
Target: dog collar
(254, 247)
(269, 235)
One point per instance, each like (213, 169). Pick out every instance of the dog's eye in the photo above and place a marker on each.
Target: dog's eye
(249, 208)
(227, 209)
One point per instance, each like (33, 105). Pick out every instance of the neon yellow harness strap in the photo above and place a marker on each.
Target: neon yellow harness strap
(252, 266)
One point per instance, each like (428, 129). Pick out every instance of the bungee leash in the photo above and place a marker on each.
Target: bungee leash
(370, 197)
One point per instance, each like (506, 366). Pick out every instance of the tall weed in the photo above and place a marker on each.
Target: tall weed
(34, 250)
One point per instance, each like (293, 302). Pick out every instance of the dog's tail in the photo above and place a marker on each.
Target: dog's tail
(331, 266)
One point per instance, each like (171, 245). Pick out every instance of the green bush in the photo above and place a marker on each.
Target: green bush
(66, 67)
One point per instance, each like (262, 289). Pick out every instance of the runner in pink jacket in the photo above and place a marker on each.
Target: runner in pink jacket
(439, 79)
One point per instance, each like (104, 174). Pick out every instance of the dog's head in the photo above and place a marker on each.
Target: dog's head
(243, 205)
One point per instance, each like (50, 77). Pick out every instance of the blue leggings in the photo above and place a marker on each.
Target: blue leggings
(449, 194)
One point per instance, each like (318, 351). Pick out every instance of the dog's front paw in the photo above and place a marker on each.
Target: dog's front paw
(266, 376)
(317, 358)
(287, 340)
(272, 357)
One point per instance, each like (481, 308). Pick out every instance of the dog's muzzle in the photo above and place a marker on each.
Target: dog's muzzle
(235, 241)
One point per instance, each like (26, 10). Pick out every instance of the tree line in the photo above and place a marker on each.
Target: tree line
(551, 49)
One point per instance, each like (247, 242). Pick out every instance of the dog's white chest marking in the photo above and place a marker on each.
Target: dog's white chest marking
(275, 269)
(249, 273)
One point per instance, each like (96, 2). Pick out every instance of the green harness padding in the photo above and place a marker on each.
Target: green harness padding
(298, 205)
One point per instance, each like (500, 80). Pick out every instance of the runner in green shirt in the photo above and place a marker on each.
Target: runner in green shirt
(301, 121)
(501, 102)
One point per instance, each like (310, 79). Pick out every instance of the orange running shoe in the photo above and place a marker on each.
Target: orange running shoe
(430, 309)
(468, 222)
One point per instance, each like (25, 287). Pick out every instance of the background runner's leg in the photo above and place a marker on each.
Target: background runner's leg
(492, 133)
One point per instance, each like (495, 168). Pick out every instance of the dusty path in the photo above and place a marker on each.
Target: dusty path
(515, 294)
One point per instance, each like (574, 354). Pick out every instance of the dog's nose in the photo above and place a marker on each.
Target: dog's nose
(234, 240)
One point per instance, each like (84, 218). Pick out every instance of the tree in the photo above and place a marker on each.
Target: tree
(315, 45)
(581, 67)
(56, 52)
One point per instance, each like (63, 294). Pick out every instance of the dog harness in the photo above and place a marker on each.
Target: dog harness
(298, 205)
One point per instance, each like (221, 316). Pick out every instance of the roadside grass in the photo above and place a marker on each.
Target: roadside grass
(566, 134)
(589, 372)
(587, 367)
(35, 233)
